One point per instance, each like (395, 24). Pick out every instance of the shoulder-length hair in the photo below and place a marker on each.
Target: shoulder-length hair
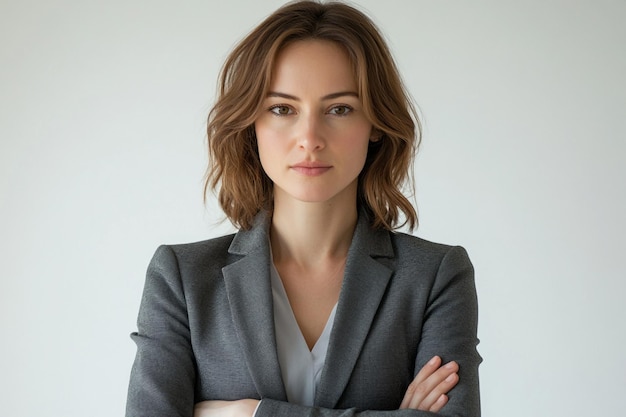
(234, 165)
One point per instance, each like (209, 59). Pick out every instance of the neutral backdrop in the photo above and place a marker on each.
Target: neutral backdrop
(102, 116)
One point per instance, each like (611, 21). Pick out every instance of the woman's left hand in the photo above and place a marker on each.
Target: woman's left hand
(429, 389)
(239, 408)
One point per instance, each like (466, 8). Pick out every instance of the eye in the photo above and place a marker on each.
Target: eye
(281, 110)
(341, 110)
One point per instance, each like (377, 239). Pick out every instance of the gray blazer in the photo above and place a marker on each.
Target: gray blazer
(206, 328)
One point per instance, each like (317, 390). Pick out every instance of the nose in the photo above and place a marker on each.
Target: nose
(310, 133)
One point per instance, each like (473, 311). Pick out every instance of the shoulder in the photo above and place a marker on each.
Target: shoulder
(413, 249)
(196, 254)
(444, 272)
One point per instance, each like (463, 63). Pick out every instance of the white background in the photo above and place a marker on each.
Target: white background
(102, 154)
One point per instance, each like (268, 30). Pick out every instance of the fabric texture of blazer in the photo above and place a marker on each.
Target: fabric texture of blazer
(206, 327)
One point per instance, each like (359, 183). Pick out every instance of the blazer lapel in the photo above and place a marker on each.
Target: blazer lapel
(365, 281)
(250, 296)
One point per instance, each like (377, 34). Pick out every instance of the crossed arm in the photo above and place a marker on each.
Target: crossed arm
(427, 392)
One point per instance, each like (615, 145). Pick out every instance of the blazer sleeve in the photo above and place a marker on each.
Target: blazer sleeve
(449, 331)
(163, 375)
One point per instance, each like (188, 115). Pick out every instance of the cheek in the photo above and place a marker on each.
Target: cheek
(358, 141)
(360, 148)
(267, 134)
(266, 147)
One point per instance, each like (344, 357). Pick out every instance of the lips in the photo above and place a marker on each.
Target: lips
(311, 168)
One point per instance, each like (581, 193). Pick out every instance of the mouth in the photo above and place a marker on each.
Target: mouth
(311, 168)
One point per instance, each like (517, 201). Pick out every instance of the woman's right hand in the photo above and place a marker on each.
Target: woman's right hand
(428, 390)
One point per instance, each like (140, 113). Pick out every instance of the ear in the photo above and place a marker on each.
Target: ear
(376, 135)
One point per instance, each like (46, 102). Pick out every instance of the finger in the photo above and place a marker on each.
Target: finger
(427, 370)
(430, 394)
(438, 405)
(439, 382)
(440, 390)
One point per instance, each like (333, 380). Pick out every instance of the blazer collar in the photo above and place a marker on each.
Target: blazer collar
(249, 292)
(364, 284)
(250, 295)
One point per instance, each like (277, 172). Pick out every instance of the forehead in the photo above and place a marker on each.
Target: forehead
(317, 64)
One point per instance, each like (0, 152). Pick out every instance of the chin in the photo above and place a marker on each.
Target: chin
(304, 196)
(319, 194)
(313, 199)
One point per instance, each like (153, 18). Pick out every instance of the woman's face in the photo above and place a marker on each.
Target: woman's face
(312, 133)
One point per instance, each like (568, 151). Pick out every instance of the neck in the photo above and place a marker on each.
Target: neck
(310, 233)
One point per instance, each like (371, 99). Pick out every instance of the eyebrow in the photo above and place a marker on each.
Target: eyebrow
(326, 97)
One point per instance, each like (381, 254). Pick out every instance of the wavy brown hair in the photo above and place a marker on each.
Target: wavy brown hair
(234, 165)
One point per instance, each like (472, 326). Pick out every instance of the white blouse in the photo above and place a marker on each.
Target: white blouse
(300, 367)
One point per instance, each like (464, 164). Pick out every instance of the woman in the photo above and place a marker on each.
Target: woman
(315, 307)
